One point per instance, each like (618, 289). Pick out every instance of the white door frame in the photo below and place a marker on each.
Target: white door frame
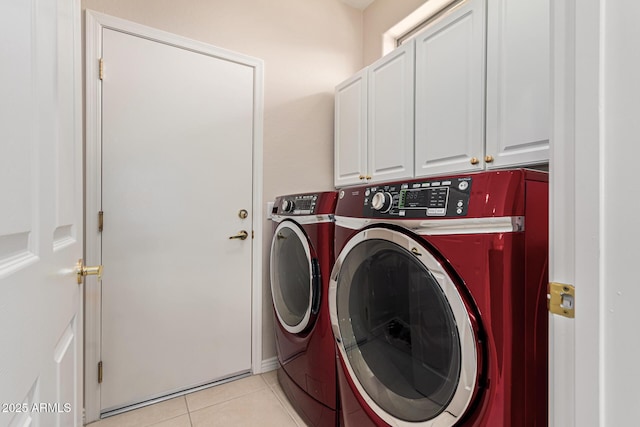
(95, 23)
(576, 207)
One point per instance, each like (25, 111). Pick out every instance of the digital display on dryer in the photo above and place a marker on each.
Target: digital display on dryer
(424, 198)
(305, 204)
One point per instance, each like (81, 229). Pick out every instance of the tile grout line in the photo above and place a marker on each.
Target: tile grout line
(228, 400)
(186, 403)
(286, 409)
(270, 387)
(223, 401)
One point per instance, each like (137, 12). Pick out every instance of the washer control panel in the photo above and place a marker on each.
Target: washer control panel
(302, 204)
(418, 199)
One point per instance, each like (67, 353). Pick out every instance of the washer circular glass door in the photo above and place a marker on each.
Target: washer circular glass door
(402, 329)
(295, 281)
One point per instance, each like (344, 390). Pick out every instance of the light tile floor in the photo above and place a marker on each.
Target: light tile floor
(253, 401)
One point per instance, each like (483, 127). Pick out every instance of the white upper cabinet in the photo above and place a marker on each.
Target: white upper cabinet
(374, 121)
(449, 90)
(469, 92)
(518, 91)
(350, 151)
(390, 116)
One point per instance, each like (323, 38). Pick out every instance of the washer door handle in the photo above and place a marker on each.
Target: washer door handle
(316, 284)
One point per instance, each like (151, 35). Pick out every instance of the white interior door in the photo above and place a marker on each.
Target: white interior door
(177, 133)
(41, 214)
(594, 231)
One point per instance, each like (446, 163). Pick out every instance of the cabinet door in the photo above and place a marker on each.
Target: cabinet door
(390, 115)
(450, 85)
(350, 145)
(518, 82)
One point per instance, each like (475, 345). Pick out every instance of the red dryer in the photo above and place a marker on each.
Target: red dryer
(301, 260)
(438, 301)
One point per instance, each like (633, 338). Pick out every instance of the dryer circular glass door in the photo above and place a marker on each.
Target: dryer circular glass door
(402, 329)
(295, 277)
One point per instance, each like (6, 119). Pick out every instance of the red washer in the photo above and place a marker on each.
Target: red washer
(438, 301)
(301, 260)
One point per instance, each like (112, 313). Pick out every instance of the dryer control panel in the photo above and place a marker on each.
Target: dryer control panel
(300, 204)
(418, 199)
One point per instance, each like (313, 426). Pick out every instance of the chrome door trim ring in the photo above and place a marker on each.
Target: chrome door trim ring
(305, 244)
(469, 357)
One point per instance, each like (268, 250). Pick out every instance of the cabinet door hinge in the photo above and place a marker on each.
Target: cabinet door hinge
(101, 69)
(100, 372)
(561, 299)
(100, 221)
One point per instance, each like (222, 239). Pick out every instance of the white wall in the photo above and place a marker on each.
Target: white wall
(308, 47)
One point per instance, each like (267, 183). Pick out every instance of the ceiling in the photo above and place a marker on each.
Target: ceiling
(358, 4)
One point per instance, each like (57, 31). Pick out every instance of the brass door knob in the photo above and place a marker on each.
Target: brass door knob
(361, 177)
(242, 235)
(82, 271)
(368, 177)
(474, 161)
(488, 158)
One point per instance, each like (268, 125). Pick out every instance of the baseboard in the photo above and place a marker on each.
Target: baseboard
(270, 364)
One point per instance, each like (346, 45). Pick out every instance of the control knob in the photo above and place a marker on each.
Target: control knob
(287, 205)
(381, 201)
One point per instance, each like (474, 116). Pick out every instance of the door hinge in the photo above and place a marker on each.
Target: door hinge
(252, 234)
(100, 221)
(561, 299)
(100, 372)
(101, 69)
